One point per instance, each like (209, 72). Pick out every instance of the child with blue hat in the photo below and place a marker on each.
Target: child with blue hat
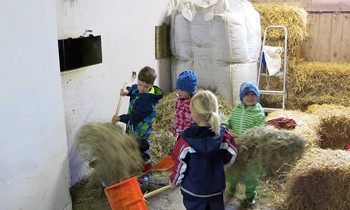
(247, 114)
(186, 87)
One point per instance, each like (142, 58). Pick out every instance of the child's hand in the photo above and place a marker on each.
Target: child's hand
(172, 186)
(124, 92)
(174, 131)
(115, 118)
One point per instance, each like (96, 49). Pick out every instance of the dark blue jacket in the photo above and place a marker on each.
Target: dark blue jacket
(199, 157)
(141, 112)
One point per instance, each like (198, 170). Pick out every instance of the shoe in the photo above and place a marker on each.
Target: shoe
(92, 164)
(248, 202)
(146, 177)
(104, 184)
(147, 167)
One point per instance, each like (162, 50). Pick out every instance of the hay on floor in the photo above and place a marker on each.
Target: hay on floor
(308, 125)
(335, 124)
(117, 154)
(320, 180)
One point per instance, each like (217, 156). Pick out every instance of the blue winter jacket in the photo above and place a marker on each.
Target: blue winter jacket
(141, 112)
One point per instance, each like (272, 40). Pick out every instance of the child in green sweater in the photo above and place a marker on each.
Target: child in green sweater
(245, 115)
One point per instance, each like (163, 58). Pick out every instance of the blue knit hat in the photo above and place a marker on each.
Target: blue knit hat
(247, 87)
(187, 81)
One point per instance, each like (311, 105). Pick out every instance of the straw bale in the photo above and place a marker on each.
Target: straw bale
(327, 110)
(335, 123)
(320, 180)
(117, 154)
(294, 18)
(318, 83)
(310, 83)
(267, 148)
(308, 125)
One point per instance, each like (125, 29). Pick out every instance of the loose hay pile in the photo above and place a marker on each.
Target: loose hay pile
(308, 125)
(320, 181)
(268, 147)
(335, 124)
(116, 153)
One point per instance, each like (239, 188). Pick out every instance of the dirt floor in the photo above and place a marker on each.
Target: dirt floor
(88, 197)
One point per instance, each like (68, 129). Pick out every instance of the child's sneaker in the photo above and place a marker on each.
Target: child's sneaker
(92, 164)
(248, 202)
(147, 167)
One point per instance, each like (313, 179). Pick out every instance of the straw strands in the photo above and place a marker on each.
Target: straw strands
(117, 154)
(268, 148)
(320, 180)
(308, 125)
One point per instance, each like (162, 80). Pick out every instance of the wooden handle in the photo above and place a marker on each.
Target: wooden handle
(155, 192)
(120, 102)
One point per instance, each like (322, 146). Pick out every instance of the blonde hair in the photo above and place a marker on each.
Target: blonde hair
(204, 105)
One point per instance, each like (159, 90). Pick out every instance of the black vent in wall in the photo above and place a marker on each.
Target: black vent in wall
(79, 52)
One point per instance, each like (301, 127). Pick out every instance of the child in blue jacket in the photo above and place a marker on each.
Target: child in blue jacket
(200, 154)
(142, 109)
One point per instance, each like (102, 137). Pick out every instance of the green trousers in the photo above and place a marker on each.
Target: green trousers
(249, 177)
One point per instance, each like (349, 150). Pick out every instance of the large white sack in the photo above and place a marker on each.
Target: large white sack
(180, 36)
(229, 36)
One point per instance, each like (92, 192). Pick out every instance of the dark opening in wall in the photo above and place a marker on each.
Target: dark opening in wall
(79, 52)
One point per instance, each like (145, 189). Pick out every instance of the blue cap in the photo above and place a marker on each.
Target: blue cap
(187, 81)
(247, 87)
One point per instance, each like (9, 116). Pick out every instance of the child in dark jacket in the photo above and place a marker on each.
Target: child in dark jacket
(186, 86)
(142, 109)
(200, 154)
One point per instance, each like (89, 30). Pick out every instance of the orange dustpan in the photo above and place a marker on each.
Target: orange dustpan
(164, 164)
(127, 194)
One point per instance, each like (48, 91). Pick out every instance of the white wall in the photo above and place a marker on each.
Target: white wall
(34, 170)
(127, 30)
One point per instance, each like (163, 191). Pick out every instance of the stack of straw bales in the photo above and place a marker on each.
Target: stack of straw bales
(117, 154)
(335, 124)
(308, 125)
(320, 180)
(295, 19)
(318, 83)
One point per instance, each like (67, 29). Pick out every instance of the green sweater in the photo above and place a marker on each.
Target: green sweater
(243, 118)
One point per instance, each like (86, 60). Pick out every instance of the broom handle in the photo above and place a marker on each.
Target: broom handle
(120, 102)
(155, 192)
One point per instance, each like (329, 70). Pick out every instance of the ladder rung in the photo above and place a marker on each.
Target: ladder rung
(271, 109)
(271, 92)
(279, 74)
